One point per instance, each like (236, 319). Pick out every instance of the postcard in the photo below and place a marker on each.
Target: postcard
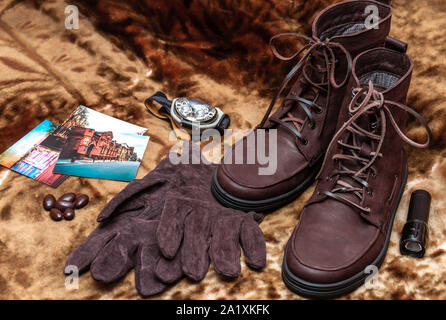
(34, 156)
(85, 117)
(98, 146)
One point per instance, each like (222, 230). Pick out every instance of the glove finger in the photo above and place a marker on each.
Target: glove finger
(253, 244)
(170, 229)
(87, 251)
(114, 261)
(195, 251)
(146, 281)
(169, 271)
(225, 246)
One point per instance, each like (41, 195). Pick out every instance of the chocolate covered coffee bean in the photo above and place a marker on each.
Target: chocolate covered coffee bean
(68, 214)
(56, 214)
(62, 205)
(49, 202)
(81, 201)
(68, 197)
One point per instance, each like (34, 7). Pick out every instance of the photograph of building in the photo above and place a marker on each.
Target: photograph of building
(33, 157)
(95, 145)
(86, 143)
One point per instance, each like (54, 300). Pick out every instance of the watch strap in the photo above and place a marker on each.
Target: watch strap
(223, 124)
(162, 111)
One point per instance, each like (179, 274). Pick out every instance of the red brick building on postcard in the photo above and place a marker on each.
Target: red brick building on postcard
(85, 143)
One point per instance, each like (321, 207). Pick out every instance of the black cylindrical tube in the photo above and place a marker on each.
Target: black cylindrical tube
(415, 231)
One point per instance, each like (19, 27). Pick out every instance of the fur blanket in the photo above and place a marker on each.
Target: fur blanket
(124, 51)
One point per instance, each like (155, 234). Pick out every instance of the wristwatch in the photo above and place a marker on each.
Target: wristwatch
(188, 113)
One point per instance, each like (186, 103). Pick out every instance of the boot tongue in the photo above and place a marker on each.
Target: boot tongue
(315, 69)
(366, 147)
(366, 150)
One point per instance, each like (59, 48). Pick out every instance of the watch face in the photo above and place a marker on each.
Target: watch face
(194, 110)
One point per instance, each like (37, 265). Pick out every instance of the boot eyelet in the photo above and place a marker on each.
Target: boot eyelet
(318, 111)
(312, 126)
(328, 178)
(304, 141)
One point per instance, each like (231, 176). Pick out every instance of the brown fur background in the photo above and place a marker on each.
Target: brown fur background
(216, 50)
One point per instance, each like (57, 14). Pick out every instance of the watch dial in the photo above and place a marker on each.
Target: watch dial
(194, 110)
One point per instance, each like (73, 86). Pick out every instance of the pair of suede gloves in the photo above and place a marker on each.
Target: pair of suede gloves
(167, 225)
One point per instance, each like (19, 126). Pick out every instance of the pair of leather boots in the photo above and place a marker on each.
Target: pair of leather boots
(342, 124)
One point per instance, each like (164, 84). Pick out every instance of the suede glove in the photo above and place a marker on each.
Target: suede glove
(196, 227)
(126, 236)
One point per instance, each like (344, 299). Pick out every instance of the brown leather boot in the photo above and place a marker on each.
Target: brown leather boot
(346, 225)
(306, 120)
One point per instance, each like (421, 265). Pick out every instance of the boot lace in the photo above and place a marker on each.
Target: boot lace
(315, 47)
(370, 102)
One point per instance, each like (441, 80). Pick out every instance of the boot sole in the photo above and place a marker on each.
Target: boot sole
(265, 205)
(338, 289)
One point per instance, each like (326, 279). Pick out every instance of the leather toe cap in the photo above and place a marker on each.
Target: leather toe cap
(331, 244)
